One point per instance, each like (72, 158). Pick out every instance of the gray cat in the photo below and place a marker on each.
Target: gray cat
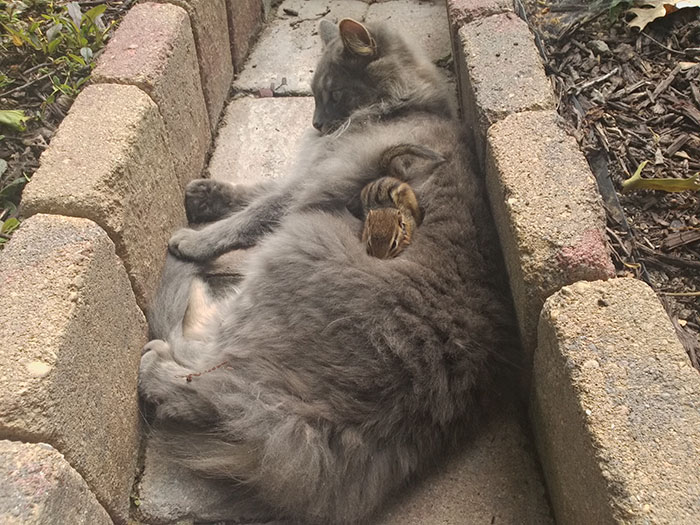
(324, 378)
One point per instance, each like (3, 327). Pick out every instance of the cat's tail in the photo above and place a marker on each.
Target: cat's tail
(310, 471)
(168, 309)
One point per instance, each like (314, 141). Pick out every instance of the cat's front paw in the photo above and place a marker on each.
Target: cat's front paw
(186, 244)
(209, 200)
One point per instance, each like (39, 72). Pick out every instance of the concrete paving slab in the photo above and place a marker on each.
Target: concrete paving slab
(423, 23)
(169, 493)
(259, 138)
(494, 479)
(38, 486)
(109, 162)
(154, 50)
(289, 46)
(70, 354)
(616, 408)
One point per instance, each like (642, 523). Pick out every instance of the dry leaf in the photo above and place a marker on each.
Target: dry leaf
(636, 182)
(650, 10)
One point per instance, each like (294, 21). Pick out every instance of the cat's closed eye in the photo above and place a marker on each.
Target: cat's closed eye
(337, 95)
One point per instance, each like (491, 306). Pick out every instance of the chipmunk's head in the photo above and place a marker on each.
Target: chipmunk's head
(387, 232)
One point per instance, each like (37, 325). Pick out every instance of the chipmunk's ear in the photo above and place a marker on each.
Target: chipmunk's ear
(356, 38)
(328, 31)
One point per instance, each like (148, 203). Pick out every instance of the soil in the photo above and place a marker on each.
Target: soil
(630, 96)
(29, 89)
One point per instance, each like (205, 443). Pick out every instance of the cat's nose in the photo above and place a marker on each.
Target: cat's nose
(318, 125)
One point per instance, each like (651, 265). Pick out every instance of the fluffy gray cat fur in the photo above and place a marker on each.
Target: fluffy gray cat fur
(324, 379)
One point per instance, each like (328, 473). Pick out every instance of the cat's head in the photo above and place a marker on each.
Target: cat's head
(386, 232)
(368, 65)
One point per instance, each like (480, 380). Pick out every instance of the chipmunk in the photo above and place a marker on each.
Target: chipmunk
(390, 206)
(392, 214)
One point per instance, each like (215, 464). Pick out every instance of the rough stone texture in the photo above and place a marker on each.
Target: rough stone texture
(210, 28)
(494, 479)
(259, 138)
(245, 18)
(548, 212)
(70, 352)
(154, 50)
(462, 12)
(423, 23)
(109, 162)
(38, 486)
(290, 52)
(616, 408)
(500, 72)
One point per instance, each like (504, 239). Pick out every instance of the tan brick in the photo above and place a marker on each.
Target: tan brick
(210, 28)
(154, 50)
(616, 408)
(38, 486)
(500, 73)
(70, 352)
(548, 212)
(109, 162)
(460, 12)
(245, 18)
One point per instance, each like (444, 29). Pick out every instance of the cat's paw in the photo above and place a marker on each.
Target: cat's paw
(208, 200)
(186, 244)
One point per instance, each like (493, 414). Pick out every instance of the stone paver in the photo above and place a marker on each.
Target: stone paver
(168, 493)
(259, 138)
(154, 50)
(425, 24)
(70, 352)
(210, 27)
(616, 408)
(547, 210)
(109, 162)
(493, 480)
(289, 46)
(245, 19)
(500, 73)
(462, 12)
(38, 486)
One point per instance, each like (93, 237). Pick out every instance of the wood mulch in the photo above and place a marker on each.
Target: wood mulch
(629, 97)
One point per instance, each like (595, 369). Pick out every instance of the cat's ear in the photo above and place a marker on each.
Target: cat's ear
(356, 38)
(328, 31)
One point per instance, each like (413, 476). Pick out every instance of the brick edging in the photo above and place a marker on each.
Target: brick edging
(98, 213)
(551, 227)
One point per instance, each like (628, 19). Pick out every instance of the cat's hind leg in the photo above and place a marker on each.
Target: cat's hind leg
(167, 383)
